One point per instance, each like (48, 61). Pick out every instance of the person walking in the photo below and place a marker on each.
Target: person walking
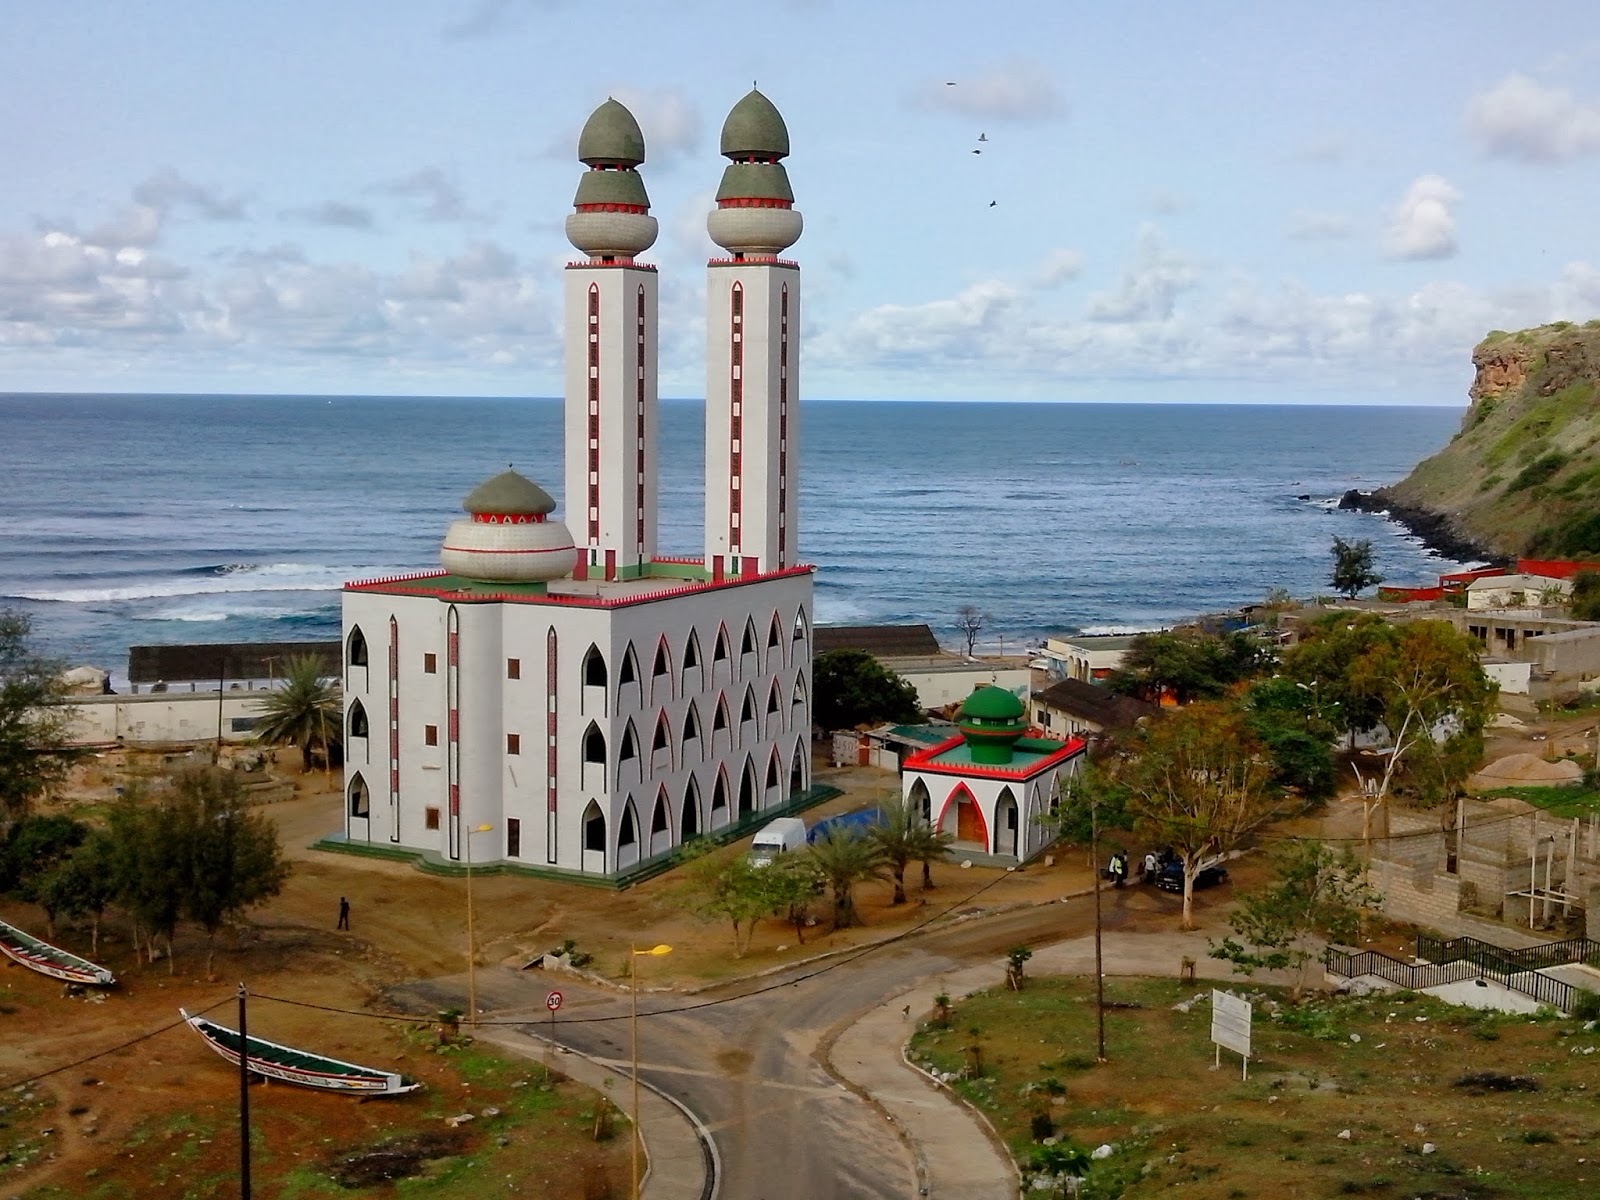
(344, 913)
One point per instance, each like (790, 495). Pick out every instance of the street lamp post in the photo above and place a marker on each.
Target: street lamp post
(633, 979)
(472, 941)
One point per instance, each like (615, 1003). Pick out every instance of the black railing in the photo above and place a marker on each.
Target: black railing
(1529, 958)
(1420, 976)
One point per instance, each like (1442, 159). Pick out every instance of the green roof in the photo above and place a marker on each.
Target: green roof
(991, 704)
(755, 181)
(611, 135)
(1027, 754)
(611, 187)
(509, 492)
(755, 127)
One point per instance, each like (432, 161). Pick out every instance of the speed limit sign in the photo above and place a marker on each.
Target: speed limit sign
(553, 1001)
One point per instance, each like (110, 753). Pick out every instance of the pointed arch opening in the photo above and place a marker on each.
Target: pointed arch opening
(962, 818)
(594, 838)
(689, 817)
(690, 748)
(661, 745)
(802, 628)
(356, 648)
(797, 702)
(747, 710)
(921, 801)
(629, 684)
(594, 759)
(628, 837)
(358, 725)
(594, 667)
(797, 769)
(720, 793)
(721, 658)
(628, 756)
(747, 644)
(360, 797)
(1007, 823)
(770, 793)
(747, 788)
(775, 633)
(693, 678)
(661, 672)
(660, 824)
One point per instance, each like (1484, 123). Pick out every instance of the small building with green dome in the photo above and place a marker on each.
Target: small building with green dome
(991, 786)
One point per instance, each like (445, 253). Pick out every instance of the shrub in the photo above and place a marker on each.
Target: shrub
(1586, 1006)
(1042, 1125)
(1539, 470)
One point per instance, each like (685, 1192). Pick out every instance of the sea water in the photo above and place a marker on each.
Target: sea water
(129, 520)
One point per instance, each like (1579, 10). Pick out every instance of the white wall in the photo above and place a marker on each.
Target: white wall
(163, 717)
(938, 688)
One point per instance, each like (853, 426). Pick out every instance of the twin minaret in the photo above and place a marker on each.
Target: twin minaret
(752, 334)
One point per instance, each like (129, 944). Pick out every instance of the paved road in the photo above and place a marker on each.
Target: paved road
(753, 1064)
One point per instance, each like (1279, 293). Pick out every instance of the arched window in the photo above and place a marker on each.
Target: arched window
(748, 645)
(630, 744)
(594, 828)
(630, 667)
(658, 815)
(719, 793)
(691, 723)
(356, 648)
(719, 719)
(594, 745)
(691, 651)
(689, 820)
(628, 831)
(773, 770)
(799, 624)
(360, 799)
(797, 772)
(663, 663)
(774, 698)
(594, 668)
(747, 788)
(921, 801)
(799, 697)
(747, 711)
(663, 736)
(720, 652)
(774, 633)
(359, 726)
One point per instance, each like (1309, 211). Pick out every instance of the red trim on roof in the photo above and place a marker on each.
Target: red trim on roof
(416, 585)
(922, 760)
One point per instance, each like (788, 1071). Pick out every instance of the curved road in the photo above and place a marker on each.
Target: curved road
(751, 1063)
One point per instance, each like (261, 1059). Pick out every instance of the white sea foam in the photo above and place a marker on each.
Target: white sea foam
(241, 577)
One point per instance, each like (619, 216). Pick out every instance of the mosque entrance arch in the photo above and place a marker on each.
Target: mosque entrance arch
(1006, 825)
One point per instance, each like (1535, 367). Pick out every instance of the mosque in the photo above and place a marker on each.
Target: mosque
(559, 695)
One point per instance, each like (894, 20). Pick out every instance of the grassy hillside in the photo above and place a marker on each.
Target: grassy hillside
(1523, 474)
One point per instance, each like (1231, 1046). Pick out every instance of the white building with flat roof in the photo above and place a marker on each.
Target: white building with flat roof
(560, 695)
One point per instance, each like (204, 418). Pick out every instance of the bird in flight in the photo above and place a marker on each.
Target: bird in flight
(977, 151)
(992, 203)
(983, 137)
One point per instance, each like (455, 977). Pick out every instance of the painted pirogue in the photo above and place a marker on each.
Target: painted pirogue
(285, 1063)
(50, 960)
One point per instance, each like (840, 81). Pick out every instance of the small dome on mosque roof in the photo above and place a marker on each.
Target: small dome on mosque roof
(509, 493)
(992, 704)
(755, 127)
(611, 136)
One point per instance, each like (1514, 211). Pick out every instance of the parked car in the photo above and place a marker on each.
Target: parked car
(1170, 877)
(777, 837)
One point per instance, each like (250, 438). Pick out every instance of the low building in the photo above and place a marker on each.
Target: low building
(880, 641)
(913, 653)
(1073, 708)
(989, 786)
(166, 718)
(1088, 657)
(1517, 591)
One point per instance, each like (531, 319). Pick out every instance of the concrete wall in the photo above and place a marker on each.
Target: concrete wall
(1512, 677)
(938, 687)
(164, 717)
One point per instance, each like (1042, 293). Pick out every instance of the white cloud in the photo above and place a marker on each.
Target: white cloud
(167, 190)
(1522, 119)
(333, 213)
(1423, 224)
(1308, 226)
(1058, 267)
(927, 334)
(667, 118)
(1324, 148)
(486, 18)
(1150, 287)
(437, 196)
(1018, 89)
(1166, 203)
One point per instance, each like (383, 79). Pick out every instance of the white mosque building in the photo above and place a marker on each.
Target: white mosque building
(591, 703)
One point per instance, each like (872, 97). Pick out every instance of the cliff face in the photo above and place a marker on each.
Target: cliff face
(1522, 477)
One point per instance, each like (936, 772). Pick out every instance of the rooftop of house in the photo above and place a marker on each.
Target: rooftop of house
(1097, 705)
(880, 641)
(1029, 757)
(1095, 641)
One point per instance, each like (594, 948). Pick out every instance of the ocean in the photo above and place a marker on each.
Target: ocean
(128, 520)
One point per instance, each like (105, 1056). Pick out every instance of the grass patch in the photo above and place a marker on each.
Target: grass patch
(1558, 802)
(1173, 1121)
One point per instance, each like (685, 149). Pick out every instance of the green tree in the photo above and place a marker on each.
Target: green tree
(1188, 663)
(1352, 567)
(305, 711)
(1314, 890)
(234, 859)
(148, 867)
(904, 837)
(1198, 782)
(34, 720)
(844, 858)
(35, 848)
(1284, 715)
(83, 885)
(1324, 663)
(1586, 596)
(852, 688)
(928, 846)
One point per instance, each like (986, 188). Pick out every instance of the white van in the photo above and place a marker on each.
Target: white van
(777, 837)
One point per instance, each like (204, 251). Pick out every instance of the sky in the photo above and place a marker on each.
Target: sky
(1182, 201)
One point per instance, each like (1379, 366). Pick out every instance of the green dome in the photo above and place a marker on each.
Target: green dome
(509, 493)
(992, 704)
(754, 127)
(611, 135)
(755, 181)
(612, 187)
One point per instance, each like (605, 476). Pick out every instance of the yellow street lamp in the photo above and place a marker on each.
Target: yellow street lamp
(633, 978)
(472, 941)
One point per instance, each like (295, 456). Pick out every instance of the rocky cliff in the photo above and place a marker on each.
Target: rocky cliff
(1522, 476)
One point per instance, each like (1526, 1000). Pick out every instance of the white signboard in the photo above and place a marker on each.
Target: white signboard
(1230, 1025)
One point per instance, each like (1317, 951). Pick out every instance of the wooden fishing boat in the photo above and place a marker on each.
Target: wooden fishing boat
(50, 960)
(285, 1063)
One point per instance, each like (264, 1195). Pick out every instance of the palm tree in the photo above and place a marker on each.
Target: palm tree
(845, 858)
(903, 836)
(928, 846)
(306, 711)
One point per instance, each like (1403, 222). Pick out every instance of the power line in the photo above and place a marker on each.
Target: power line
(143, 1037)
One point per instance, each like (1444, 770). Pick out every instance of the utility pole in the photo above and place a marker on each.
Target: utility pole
(1099, 963)
(244, 1099)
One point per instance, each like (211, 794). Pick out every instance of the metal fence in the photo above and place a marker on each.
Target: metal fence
(1420, 976)
(1546, 954)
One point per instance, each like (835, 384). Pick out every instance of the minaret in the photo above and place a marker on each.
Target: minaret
(611, 354)
(752, 360)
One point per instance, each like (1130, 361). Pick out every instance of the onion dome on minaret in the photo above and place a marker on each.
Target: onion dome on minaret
(991, 721)
(755, 213)
(509, 537)
(613, 218)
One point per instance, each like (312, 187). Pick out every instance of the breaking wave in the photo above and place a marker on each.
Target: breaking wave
(215, 581)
